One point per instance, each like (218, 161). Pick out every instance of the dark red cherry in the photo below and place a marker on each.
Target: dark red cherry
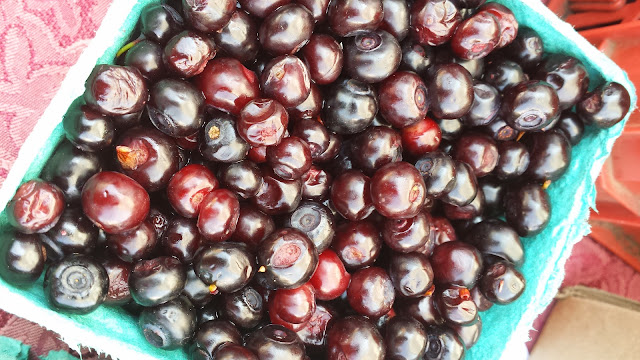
(314, 333)
(411, 274)
(212, 335)
(208, 16)
(526, 49)
(396, 18)
(295, 306)
(357, 243)
(316, 221)
(422, 308)
(309, 109)
(496, 238)
(187, 53)
(571, 126)
(314, 134)
(154, 282)
(444, 343)
(351, 195)
(239, 37)
(316, 184)
(416, 57)
(450, 91)
(398, 191)
(403, 99)
(289, 258)
(486, 104)
(503, 73)
(433, 22)
(567, 76)
(376, 147)
(181, 239)
(286, 79)
(258, 154)
(527, 209)
(468, 212)
(146, 56)
(513, 160)
(465, 188)
(147, 156)
(176, 107)
(135, 244)
(346, 18)
(407, 235)
(188, 187)
(244, 307)
(530, 105)
(22, 258)
(507, 22)
(371, 292)
(456, 305)
(335, 143)
(275, 341)
(290, 159)
(225, 266)
(550, 155)
(227, 85)
(350, 106)
(469, 334)
(438, 171)
(262, 8)
(605, 106)
(228, 351)
(501, 283)
(218, 215)
(456, 263)
(371, 56)
(479, 151)
(476, 36)
(74, 233)
(354, 337)
(499, 130)
(118, 272)
(253, 226)
(286, 30)
(116, 90)
(421, 137)
(243, 178)
(441, 231)
(482, 303)
(159, 22)
(36, 207)
(318, 8)
(88, 129)
(277, 196)
(330, 279)
(220, 141)
(114, 202)
(263, 122)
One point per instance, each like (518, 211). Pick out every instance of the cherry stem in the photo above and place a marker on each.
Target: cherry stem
(520, 136)
(262, 269)
(546, 184)
(128, 46)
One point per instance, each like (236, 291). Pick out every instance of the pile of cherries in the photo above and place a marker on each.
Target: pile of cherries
(301, 179)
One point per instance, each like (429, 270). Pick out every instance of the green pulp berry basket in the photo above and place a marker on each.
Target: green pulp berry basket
(113, 331)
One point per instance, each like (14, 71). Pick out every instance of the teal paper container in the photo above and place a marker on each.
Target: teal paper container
(505, 328)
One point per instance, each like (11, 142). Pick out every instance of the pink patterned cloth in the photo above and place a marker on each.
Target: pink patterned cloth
(41, 39)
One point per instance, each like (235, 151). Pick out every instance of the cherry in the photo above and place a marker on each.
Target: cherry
(501, 283)
(286, 30)
(438, 171)
(324, 58)
(465, 188)
(88, 129)
(187, 53)
(277, 196)
(407, 235)
(253, 226)
(227, 85)
(351, 195)
(314, 333)
(294, 306)
(262, 8)
(115, 90)
(239, 37)
(411, 274)
(224, 266)
(450, 91)
(403, 99)
(208, 16)
(398, 191)
(289, 258)
(371, 56)
(350, 106)
(530, 105)
(314, 134)
(456, 263)
(357, 243)
(507, 22)
(476, 36)
(22, 258)
(354, 337)
(346, 18)
(316, 221)
(176, 107)
(309, 109)
(330, 279)
(376, 147)
(244, 307)
(479, 151)
(527, 209)
(316, 184)
(36, 207)
(262, 122)
(286, 79)
(527, 48)
(290, 159)
(605, 106)
(218, 215)
(433, 22)
(274, 341)
(422, 137)
(159, 22)
(396, 18)
(188, 187)
(550, 155)
(156, 281)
